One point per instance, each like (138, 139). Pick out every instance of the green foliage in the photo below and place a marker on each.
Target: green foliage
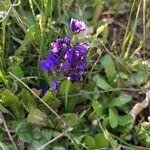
(113, 117)
(11, 101)
(97, 107)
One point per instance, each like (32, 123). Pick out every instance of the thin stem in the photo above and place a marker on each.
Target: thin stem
(105, 91)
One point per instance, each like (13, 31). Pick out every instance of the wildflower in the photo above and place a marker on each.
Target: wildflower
(57, 45)
(54, 57)
(74, 76)
(82, 65)
(82, 48)
(69, 54)
(47, 65)
(67, 57)
(67, 40)
(76, 25)
(65, 67)
(55, 85)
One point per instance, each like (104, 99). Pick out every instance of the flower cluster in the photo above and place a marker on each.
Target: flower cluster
(66, 57)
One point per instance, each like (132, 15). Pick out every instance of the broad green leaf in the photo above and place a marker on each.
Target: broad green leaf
(47, 134)
(48, 96)
(55, 104)
(65, 87)
(64, 90)
(124, 120)
(22, 129)
(113, 117)
(121, 100)
(71, 119)
(25, 136)
(101, 82)
(106, 123)
(101, 141)
(27, 99)
(98, 109)
(38, 117)
(12, 102)
(16, 69)
(109, 67)
(89, 142)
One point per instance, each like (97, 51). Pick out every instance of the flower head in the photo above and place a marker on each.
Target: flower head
(74, 76)
(69, 54)
(82, 65)
(82, 49)
(67, 57)
(57, 45)
(47, 65)
(67, 39)
(76, 25)
(55, 85)
(65, 67)
(54, 57)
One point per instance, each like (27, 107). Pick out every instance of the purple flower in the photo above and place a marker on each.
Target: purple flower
(82, 65)
(67, 39)
(82, 48)
(55, 85)
(57, 45)
(65, 67)
(69, 54)
(54, 57)
(47, 65)
(76, 25)
(74, 76)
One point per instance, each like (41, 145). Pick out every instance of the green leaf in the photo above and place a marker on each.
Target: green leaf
(22, 129)
(47, 134)
(113, 117)
(71, 119)
(38, 117)
(15, 69)
(98, 109)
(26, 137)
(124, 120)
(27, 99)
(109, 67)
(65, 87)
(101, 141)
(89, 142)
(48, 96)
(101, 82)
(121, 100)
(64, 90)
(12, 102)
